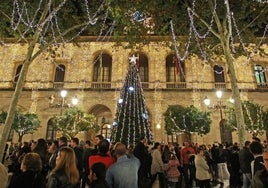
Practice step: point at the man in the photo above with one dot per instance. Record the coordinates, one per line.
(97, 140)
(123, 173)
(62, 142)
(245, 158)
(141, 152)
(186, 152)
(78, 154)
(260, 179)
(257, 150)
(86, 154)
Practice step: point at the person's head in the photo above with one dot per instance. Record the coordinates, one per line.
(256, 148)
(98, 171)
(66, 161)
(74, 142)
(53, 146)
(63, 141)
(87, 144)
(265, 158)
(98, 138)
(120, 149)
(3, 175)
(157, 145)
(247, 144)
(143, 139)
(172, 157)
(200, 151)
(31, 162)
(103, 146)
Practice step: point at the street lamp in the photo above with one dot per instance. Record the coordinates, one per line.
(62, 104)
(219, 105)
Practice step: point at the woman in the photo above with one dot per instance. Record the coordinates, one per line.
(157, 165)
(65, 174)
(202, 169)
(172, 171)
(31, 176)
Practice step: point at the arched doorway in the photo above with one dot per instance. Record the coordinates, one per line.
(104, 119)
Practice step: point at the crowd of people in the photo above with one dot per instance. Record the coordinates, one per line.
(77, 164)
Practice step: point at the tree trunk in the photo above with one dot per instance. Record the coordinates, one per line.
(225, 31)
(20, 84)
(20, 137)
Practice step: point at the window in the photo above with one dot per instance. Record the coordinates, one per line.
(259, 75)
(142, 64)
(17, 74)
(102, 71)
(219, 77)
(51, 133)
(175, 73)
(59, 76)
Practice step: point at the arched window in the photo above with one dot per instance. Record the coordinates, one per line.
(219, 77)
(59, 76)
(259, 75)
(102, 71)
(175, 74)
(51, 132)
(17, 74)
(142, 64)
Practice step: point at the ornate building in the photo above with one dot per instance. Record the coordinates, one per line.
(92, 72)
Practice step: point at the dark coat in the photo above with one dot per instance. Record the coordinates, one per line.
(59, 180)
(27, 179)
(245, 158)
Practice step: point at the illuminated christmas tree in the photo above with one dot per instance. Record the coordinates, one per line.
(132, 118)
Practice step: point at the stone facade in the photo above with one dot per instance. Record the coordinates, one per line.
(79, 62)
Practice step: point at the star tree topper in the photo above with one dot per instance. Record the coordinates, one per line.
(133, 59)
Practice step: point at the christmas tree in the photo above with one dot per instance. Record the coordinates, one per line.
(132, 118)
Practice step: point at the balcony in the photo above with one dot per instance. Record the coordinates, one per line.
(85, 84)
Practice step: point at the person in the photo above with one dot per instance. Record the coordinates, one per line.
(53, 152)
(3, 176)
(86, 154)
(97, 140)
(157, 167)
(260, 179)
(257, 163)
(172, 171)
(245, 158)
(65, 174)
(202, 169)
(78, 154)
(186, 152)
(62, 142)
(103, 155)
(41, 149)
(31, 176)
(141, 152)
(97, 177)
(123, 173)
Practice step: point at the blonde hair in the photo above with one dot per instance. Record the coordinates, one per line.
(67, 163)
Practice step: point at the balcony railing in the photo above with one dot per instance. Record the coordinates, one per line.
(145, 85)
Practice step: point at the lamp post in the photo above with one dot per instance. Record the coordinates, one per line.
(62, 104)
(219, 105)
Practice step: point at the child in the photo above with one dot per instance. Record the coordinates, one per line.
(97, 176)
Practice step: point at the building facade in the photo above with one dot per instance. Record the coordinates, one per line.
(94, 72)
